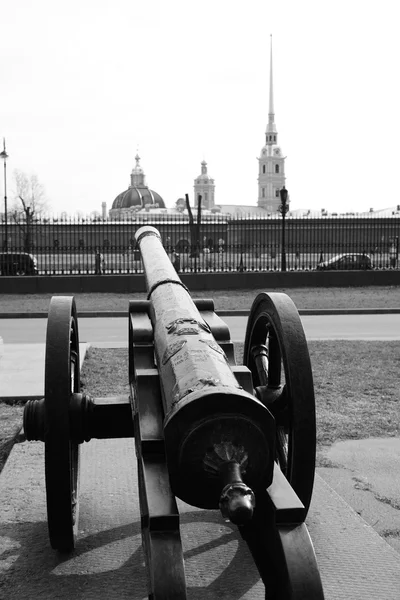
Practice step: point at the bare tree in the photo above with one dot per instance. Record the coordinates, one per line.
(30, 204)
(194, 227)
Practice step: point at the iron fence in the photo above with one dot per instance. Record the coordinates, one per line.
(223, 243)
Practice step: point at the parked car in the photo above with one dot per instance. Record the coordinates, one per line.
(347, 262)
(18, 263)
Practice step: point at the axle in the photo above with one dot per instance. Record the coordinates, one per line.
(101, 418)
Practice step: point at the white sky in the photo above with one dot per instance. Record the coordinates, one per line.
(84, 83)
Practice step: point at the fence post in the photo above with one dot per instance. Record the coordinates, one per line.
(283, 209)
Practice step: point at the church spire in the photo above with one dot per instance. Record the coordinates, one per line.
(271, 86)
(271, 170)
(271, 133)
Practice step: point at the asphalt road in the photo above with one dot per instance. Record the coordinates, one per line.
(107, 330)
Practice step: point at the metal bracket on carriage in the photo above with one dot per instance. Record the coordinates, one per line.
(269, 396)
(276, 400)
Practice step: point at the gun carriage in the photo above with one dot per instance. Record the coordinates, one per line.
(217, 435)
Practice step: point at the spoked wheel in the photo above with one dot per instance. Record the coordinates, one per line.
(276, 353)
(62, 378)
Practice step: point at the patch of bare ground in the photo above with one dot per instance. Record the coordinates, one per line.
(10, 427)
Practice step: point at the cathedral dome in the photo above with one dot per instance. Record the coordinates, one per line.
(138, 193)
(138, 196)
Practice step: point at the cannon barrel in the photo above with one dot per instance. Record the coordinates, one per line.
(219, 439)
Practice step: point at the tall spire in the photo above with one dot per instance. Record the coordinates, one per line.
(271, 134)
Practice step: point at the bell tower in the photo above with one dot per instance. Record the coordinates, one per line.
(205, 186)
(271, 164)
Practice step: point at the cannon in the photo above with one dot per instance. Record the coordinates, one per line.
(240, 439)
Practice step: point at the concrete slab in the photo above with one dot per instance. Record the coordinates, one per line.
(365, 474)
(108, 562)
(22, 370)
(376, 460)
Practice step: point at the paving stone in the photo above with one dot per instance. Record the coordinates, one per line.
(355, 562)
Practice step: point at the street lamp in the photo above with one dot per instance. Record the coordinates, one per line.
(283, 209)
(4, 156)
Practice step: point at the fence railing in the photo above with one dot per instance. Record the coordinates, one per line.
(80, 247)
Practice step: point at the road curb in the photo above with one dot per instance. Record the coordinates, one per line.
(23, 398)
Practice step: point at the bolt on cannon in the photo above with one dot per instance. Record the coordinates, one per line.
(217, 435)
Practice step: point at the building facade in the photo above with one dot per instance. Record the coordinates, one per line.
(271, 164)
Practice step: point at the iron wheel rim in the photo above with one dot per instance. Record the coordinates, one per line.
(62, 377)
(274, 322)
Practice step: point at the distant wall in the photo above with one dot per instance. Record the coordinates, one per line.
(198, 282)
(326, 234)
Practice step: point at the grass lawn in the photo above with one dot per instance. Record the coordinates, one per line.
(356, 386)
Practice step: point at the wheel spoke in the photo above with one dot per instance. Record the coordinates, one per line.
(260, 356)
(275, 361)
(282, 450)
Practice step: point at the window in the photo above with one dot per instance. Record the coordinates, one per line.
(274, 138)
(276, 168)
(277, 193)
(81, 243)
(263, 192)
(106, 243)
(56, 243)
(263, 168)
